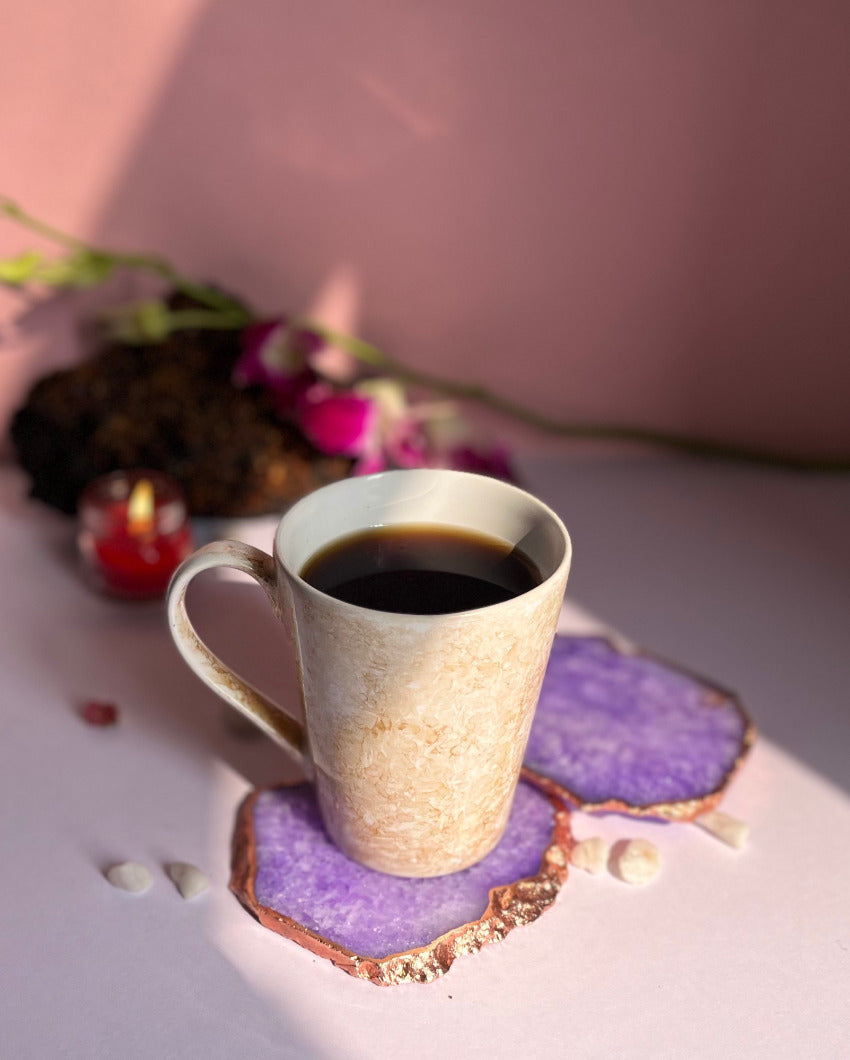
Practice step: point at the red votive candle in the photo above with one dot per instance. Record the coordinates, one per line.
(133, 532)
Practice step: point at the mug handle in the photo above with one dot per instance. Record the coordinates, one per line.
(248, 700)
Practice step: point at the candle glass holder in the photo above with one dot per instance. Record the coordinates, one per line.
(133, 531)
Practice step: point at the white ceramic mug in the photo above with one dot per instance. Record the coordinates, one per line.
(415, 725)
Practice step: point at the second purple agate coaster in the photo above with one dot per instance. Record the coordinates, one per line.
(630, 733)
(390, 929)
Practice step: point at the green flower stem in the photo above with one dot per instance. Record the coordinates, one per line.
(11, 210)
(225, 314)
(479, 394)
(151, 263)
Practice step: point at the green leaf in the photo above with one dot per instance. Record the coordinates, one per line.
(19, 270)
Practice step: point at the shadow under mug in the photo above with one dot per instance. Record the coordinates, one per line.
(415, 726)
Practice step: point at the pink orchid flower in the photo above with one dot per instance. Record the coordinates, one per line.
(376, 425)
(484, 460)
(399, 436)
(373, 422)
(338, 422)
(277, 356)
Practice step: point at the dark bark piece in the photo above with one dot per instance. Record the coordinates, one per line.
(172, 408)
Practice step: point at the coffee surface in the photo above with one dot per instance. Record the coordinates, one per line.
(421, 570)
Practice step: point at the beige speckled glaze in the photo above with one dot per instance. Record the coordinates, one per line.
(415, 725)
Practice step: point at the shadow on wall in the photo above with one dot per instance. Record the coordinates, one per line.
(620, 212)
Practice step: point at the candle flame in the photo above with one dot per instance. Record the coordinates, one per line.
(140, 509)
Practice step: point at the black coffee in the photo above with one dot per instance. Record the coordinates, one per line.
(421, 570)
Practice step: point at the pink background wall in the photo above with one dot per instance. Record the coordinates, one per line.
(632, 211)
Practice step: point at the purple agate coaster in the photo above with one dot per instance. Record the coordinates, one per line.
(627, 732)
(390, 929)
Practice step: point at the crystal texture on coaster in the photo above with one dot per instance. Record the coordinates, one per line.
(628, 732)
(391, 929)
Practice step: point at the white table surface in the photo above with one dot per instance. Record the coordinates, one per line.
(739, 574)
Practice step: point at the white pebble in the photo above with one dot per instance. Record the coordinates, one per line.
(590, 855)
(638, 861)
(189, 879)
(726, 828)
(130, 876)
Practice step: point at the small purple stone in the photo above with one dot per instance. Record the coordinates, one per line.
(627, 727)
(301, 874)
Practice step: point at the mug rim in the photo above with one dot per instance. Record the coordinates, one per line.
(562, 566)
